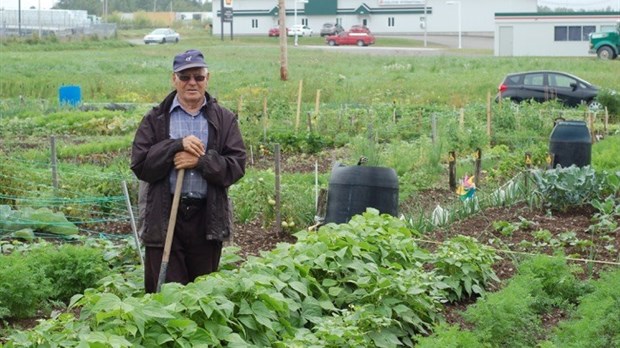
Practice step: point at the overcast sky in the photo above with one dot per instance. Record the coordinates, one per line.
(576, 4)
(581, 4)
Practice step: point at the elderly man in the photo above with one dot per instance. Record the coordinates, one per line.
(188, 130)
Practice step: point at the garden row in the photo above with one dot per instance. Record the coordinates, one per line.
(365, 283)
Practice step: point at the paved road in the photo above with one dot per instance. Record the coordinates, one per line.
(438, 46)
(441, 45)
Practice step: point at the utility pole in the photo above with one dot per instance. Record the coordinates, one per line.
(283, 41)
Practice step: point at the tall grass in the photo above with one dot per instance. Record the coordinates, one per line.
(248, 68)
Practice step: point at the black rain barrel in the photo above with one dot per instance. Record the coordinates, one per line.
(570, 142)
(353, 189)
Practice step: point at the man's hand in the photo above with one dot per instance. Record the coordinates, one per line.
(185, 160)
(193, 145)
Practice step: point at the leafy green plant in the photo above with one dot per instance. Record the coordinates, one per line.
(605, 218)
(363, 283)
(503, 317)
(25, 288)
(71, 268)
(466, 266)
(559, 285)
(449, 336)
(505, 228)
(572, 187)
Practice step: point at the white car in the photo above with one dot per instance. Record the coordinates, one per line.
(162, 35)
(300, 29)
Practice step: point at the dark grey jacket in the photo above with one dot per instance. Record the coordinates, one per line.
(152, 156)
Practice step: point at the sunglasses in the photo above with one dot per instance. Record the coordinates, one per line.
(197, 78)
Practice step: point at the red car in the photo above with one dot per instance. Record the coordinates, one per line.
(358, 28)
(275, 32)
(350, 38)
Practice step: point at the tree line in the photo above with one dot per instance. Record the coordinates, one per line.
(96, 7)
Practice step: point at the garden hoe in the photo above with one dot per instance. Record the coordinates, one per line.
(170, 233)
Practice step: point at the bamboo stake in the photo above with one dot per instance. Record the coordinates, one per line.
(461, 119)
(301, 84)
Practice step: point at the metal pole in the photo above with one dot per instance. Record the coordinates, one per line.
(19, 17)
(39, 18)
(460, 31)
(425, 23)
(222, 19)
(133, 222)
(295, 21)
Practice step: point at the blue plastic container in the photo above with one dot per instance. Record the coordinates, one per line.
(70, 95)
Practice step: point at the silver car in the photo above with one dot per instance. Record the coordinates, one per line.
(161, 36)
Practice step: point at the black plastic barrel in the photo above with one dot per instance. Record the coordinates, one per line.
(353, 189)
(571, 143)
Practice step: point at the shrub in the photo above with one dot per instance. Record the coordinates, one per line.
(611, 100)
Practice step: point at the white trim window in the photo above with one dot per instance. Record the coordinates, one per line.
(573, 32)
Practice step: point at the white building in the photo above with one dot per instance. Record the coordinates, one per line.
(549, 34)
(477, 17)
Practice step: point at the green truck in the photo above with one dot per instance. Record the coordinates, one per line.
(606, 44)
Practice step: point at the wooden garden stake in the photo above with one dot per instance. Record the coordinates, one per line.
(434, 128)
(550, 159)
(251, 155)
(394, 112)
(528, 166)
(489, 114)
(265, 119)
(591, 123)
(461, 119)
(317, 103)
(297, 115)
(54, 161)
(277, 189)
(478, 158)
(452, 170)
(309, 117)
(239, 105)
(606, 121)
(419, 120)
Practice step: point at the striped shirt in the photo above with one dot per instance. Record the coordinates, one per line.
(183, 124)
